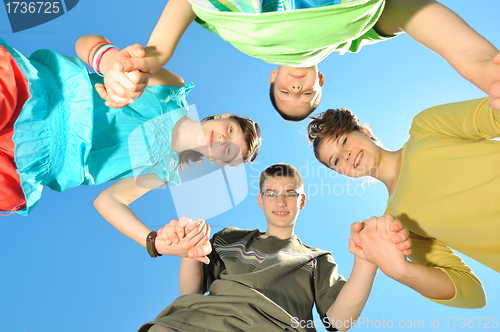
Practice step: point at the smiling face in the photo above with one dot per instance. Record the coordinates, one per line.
(296, 89)
(353, 154)
(224, 139)
(281, 213)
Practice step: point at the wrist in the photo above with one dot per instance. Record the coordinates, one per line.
(400, 271)
(155, 59)
(106, 60)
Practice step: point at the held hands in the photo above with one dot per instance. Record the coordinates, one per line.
(122, 85)
(381, 241)
(185, 238)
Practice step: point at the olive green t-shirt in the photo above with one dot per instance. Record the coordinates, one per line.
(258, 284)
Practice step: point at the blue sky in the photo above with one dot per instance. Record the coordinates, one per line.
(64, 268)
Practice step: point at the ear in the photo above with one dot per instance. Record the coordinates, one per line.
(274, 73)
(259, 200)
(217, 161)
(321, 79)
(303, 201)
(366, 131)
(224, 116)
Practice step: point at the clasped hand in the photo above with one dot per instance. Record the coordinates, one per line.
(122, 82)
(382, 241)
(185, 238)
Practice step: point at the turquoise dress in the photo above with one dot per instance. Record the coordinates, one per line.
(66, 136)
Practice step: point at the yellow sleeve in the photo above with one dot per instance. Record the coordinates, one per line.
(469, 292)
(468, 119)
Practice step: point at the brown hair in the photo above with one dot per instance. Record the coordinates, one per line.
(249, 134)
(330, 125)
(279, 170)
(290, 117)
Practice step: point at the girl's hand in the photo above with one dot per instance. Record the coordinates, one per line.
(121, 87)
(377, 247)
(400, 236)
(175, 230)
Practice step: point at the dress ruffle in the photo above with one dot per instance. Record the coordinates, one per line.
(52, 133)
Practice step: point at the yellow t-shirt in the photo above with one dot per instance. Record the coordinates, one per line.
(448, 193)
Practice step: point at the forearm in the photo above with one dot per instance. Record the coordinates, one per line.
(353, 296)
(175, 19)
(121, 217)
(191, 276)
(440, 29)
(430, 282)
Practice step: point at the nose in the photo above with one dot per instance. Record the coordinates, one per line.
(296, 87)
(347, 155)
(280, 201)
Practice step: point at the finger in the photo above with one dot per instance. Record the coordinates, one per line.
(371, 224)
(127, 65)
(404, 245)
(139, 78)
(201, 250)
(170, 231)
(356, 228)
(167, 232)
(400, 236)
(407, 252)
(101, 90)
(137, 50)
(355, 250)
(198, 223)
(203, 259)
(197, 237)
(494, 103)
(496, 59)
(395, 226)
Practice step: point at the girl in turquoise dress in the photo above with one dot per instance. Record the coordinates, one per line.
(56, 131)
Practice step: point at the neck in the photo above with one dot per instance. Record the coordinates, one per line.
(183, 138)
(388, 169)
(281, 233)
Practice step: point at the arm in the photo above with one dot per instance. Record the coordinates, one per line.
(133, 81)
(174, 21)
(434, 272)
(113, 205)
(353, 296)
(191, 277)
(440, 29)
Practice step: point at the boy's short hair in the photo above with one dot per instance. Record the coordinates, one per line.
(279, 170)
(295, 118)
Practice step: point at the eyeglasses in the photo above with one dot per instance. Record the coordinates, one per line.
(256, 149)
(288, 195)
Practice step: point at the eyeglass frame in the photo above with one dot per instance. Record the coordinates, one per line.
(256, 150)
(282, 195)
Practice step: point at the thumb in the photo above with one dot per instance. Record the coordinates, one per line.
(203, 259)
(497, 58)
(355, 250)
(131, 64)
(137, 50)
